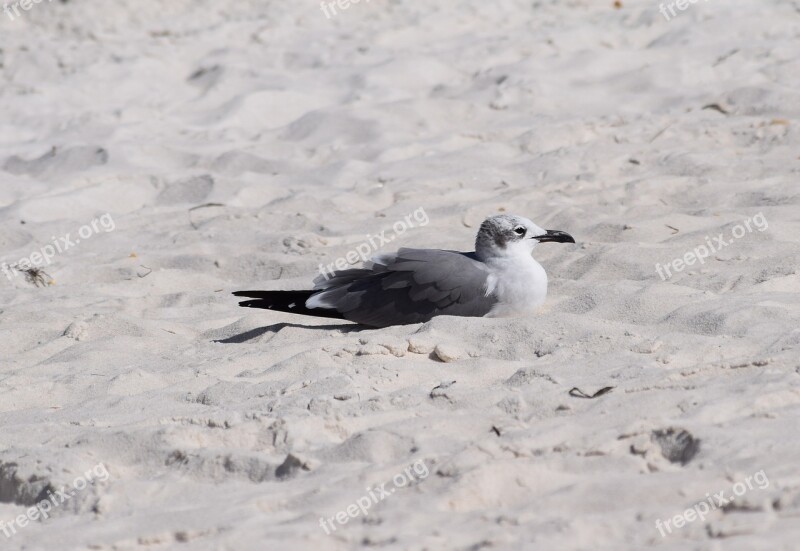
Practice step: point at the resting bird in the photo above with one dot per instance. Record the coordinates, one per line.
(499, 279)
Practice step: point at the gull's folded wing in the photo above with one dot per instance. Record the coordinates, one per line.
(409, 286)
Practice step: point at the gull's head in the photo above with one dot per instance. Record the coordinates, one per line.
(508, 235)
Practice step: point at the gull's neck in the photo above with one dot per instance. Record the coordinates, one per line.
(518, 282)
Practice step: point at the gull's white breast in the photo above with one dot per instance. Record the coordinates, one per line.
(519, 284)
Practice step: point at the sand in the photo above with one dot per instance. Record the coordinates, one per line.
(216, 146)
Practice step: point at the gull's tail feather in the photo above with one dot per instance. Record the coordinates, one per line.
(293, 302)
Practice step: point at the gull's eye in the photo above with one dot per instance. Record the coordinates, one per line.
(520, 230)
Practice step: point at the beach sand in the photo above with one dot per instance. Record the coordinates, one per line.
(220, 146)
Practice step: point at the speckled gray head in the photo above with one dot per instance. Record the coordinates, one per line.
(510, 235)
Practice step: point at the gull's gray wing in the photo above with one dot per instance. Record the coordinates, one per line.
(409, 286)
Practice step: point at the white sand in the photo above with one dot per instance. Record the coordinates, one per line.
(313, 132)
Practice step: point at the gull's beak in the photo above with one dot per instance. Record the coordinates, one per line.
(555, 236)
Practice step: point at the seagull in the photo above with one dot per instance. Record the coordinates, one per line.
(499, 279)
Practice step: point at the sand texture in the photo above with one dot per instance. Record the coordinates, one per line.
(219, 146)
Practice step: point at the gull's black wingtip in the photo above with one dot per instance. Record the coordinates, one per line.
(262, 294)
(292, 302)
